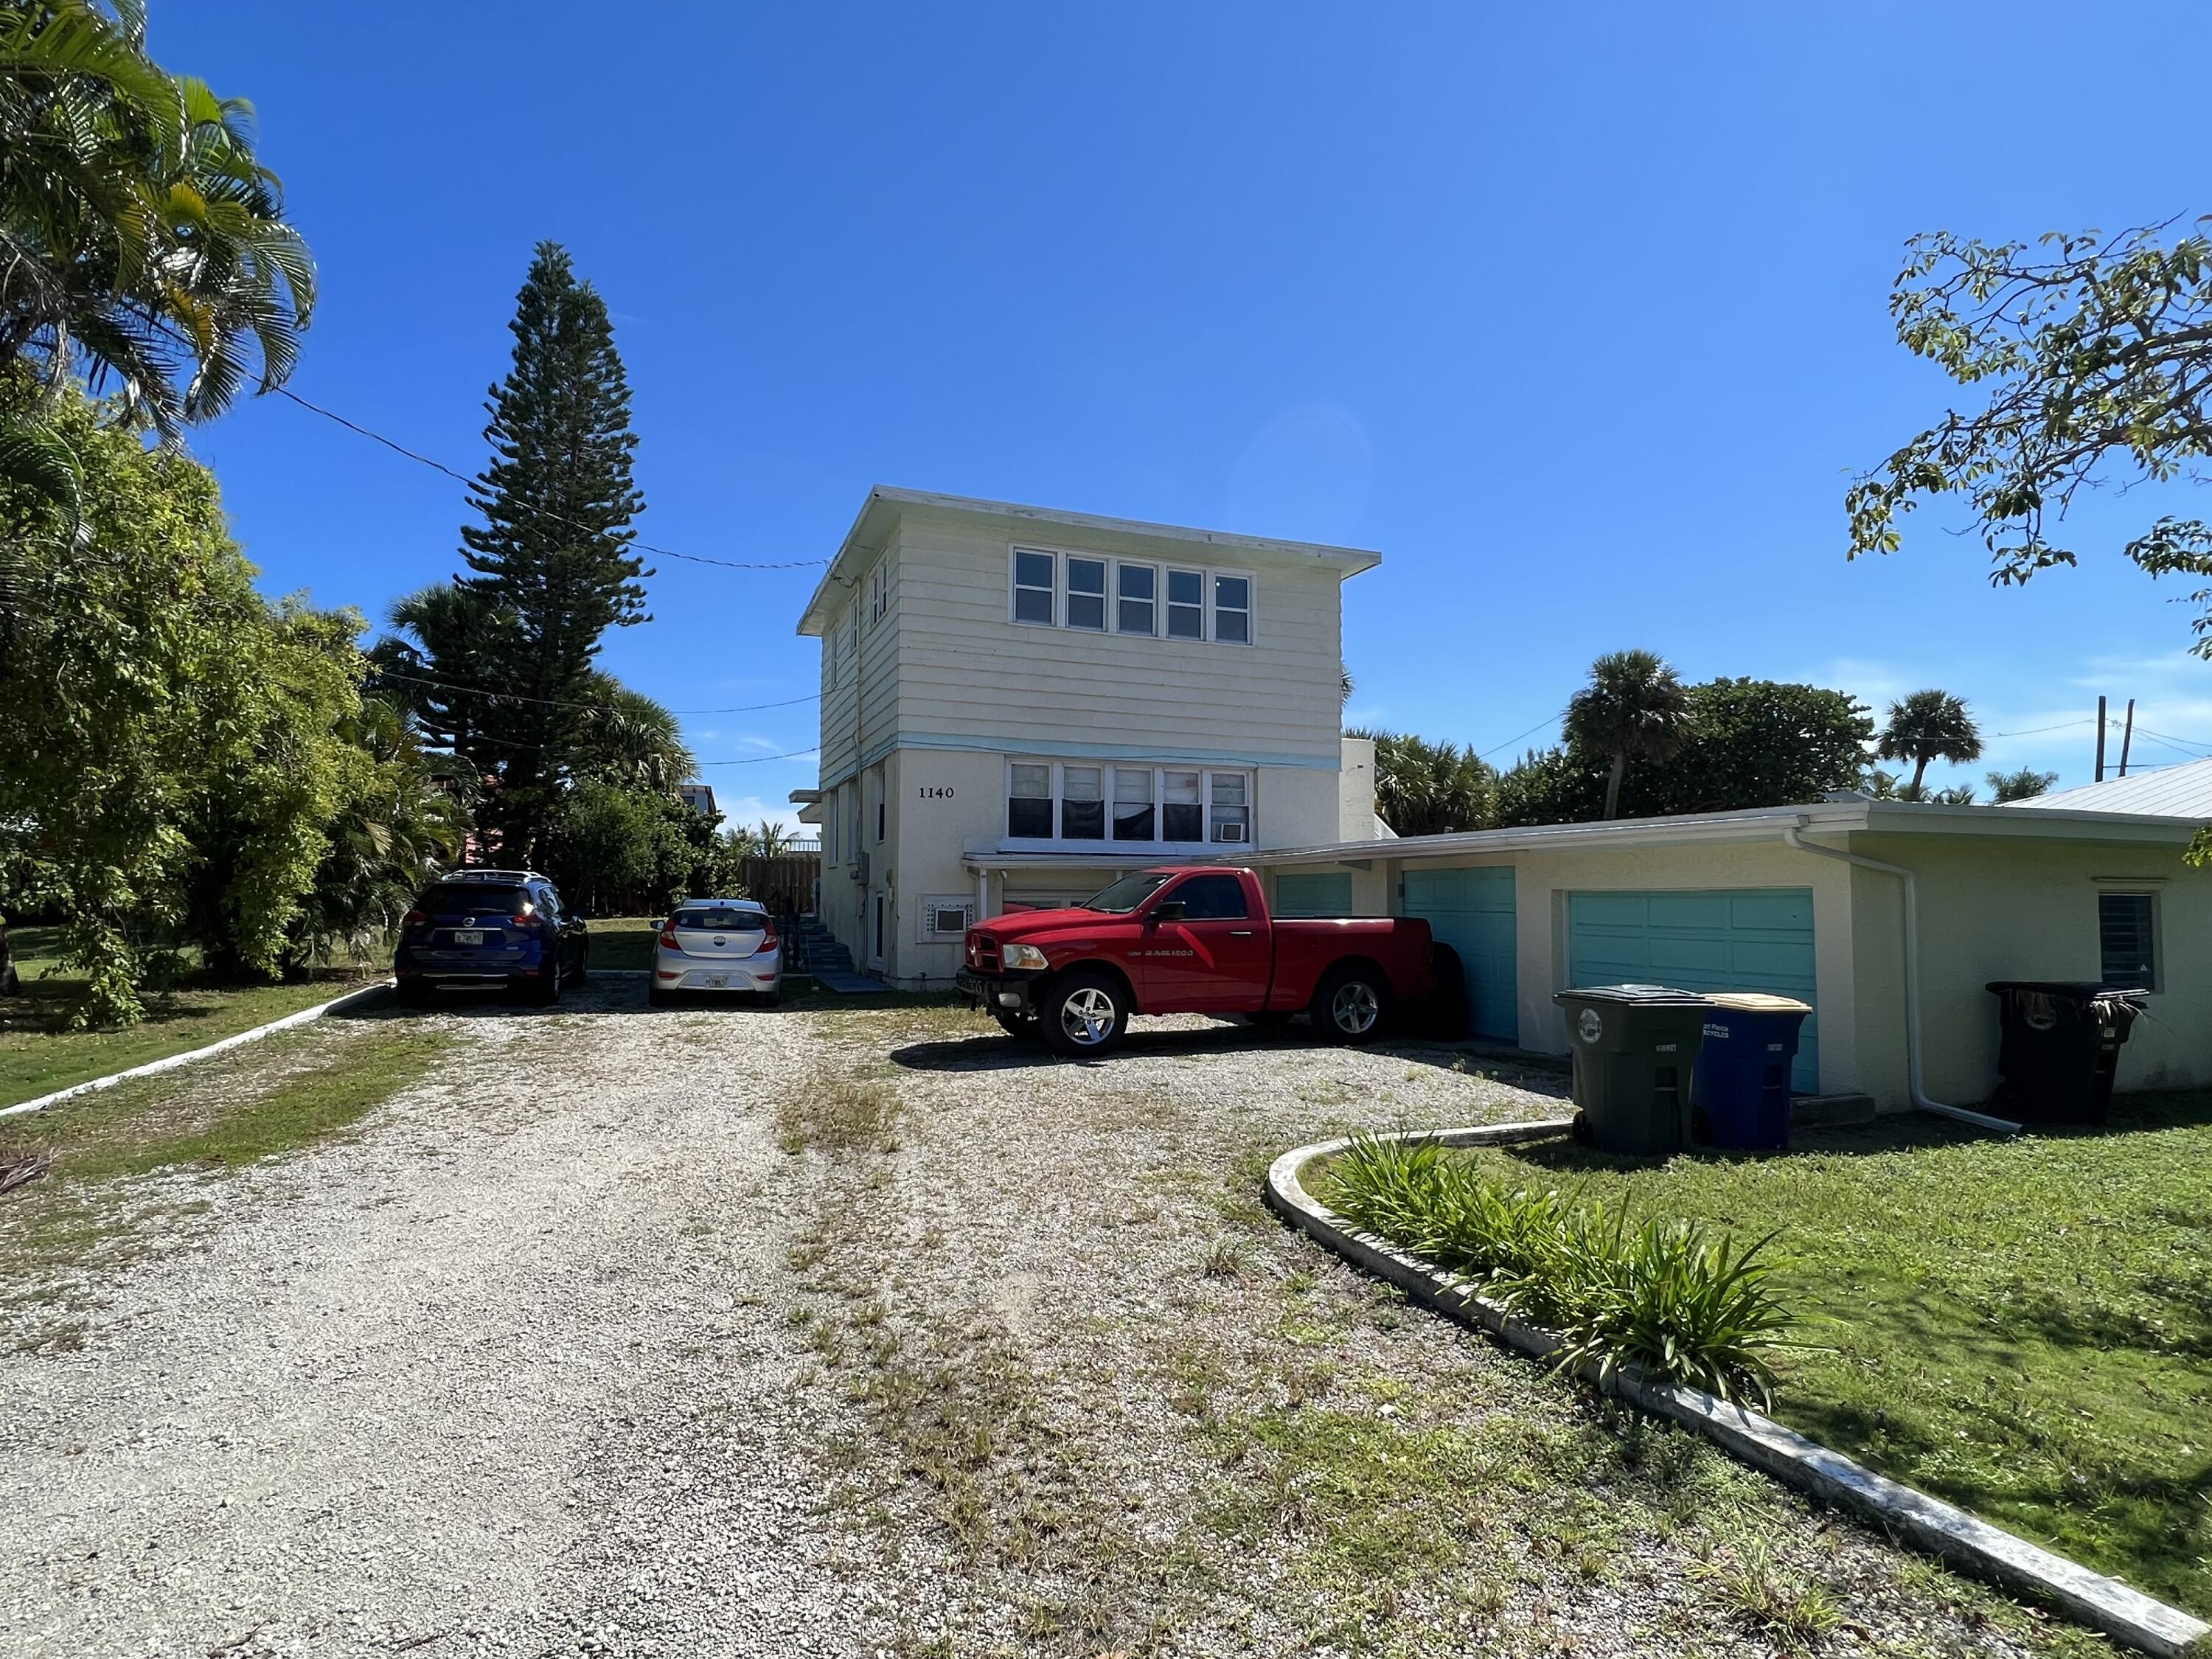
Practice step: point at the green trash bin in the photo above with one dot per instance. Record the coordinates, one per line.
(1635, 1047)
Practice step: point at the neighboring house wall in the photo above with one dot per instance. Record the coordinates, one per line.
(1992, 909)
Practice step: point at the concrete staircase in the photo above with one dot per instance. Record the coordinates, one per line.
(830, 963)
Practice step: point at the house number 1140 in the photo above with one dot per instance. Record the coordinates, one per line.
(933, 792)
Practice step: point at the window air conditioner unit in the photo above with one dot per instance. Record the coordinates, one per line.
(1229, 832)
(860, 868)
(943, 919)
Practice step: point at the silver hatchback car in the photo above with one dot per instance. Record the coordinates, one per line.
(718, 944)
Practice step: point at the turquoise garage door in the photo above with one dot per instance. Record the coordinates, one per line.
(1328, 894)
(1472, 911)
(1753, 940)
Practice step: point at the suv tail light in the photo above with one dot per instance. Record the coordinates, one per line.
(526, 918)
(413, 920)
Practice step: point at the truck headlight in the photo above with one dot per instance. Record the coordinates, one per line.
(1023, 955)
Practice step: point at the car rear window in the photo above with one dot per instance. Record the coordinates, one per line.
(475, 898)
(720, 918)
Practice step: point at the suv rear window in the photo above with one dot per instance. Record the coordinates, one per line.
(477, 898)
(720, 919)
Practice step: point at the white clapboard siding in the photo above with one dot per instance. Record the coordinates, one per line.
(966, 671)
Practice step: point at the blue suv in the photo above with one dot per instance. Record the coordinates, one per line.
(476, 929)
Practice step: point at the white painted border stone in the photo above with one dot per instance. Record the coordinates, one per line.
(170, 1062)
(1967, 1541)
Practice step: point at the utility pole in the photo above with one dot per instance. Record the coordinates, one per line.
(2101, 739)
(2127, 736)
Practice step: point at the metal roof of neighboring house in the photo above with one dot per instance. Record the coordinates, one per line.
(2171, 792)
(883, 505)
(1853, 812)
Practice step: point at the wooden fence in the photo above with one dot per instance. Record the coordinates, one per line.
(786, 885)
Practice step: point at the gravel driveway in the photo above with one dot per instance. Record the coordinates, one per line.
(860, 1331)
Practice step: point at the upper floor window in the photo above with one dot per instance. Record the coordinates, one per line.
(1086, 593)
(1036, 576)
(1086, 801)
(1130, 596)
(879, 590)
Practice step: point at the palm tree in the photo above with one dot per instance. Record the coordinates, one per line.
(2024, 785)
(1424, 789)
(1634, 708)
(1929, 725)
(141, 240)
(634, 742)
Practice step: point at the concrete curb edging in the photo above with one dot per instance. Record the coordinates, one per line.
(170, 1062)
(1965, 1541)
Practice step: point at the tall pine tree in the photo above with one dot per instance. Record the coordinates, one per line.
(552, 557)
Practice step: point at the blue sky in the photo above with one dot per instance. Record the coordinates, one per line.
(1577, 314)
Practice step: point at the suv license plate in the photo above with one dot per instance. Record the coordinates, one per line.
(468, 936)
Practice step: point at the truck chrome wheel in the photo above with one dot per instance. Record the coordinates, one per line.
(1355, 1007)
(1089, 1016)
(1086, 1015)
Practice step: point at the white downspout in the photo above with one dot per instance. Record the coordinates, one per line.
(1790, 833)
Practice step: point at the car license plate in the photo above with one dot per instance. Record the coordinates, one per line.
(718, 981)
(468, 936)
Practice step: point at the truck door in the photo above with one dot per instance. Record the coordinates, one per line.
(1217, 958)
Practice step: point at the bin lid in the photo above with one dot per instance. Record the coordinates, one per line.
(1662, 996)
(2080, 990)
(1757, 1002)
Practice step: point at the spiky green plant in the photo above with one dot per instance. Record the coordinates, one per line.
(1661, 1295)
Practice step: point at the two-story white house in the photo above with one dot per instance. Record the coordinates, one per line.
(1019, 704)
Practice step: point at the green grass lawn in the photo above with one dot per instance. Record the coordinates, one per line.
(38, 1056)
(2023, 1326)
(623, 941)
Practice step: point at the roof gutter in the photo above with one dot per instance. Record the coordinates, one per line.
(1792, 834)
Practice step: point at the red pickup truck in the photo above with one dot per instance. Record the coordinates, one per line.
(1189, 939)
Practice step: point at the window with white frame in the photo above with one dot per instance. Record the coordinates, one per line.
(1132, 804)
(1186, 605)
(1088, 802)
(1097, 595)
(879, 590)
(1138, 586)
(1232, 609)
(1086, 593)
(1036, 576)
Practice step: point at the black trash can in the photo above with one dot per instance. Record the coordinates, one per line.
(2059, 1045)
(1634, 1048)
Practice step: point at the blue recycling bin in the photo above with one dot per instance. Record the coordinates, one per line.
(1742, 1081)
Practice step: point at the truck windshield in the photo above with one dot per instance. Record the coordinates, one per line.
(1126, 894)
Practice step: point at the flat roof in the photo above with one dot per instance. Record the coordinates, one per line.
(885, 504)
(1821, 817)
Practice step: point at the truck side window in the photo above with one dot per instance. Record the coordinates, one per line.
(1211, 898)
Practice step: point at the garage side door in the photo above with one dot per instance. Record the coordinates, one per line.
(1753, 940)
(1472, 911)
(1322, 894)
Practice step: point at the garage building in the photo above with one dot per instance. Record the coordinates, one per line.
(1812, 902)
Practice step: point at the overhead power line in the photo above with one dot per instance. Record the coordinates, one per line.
(419, 460)
(570, 702)
(1516, 737)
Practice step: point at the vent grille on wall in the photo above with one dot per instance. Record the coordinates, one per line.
(947, 918)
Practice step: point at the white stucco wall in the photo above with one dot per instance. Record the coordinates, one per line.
(1994, 908)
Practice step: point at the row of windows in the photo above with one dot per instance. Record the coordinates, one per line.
(1124, 596)
(1082, 801)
